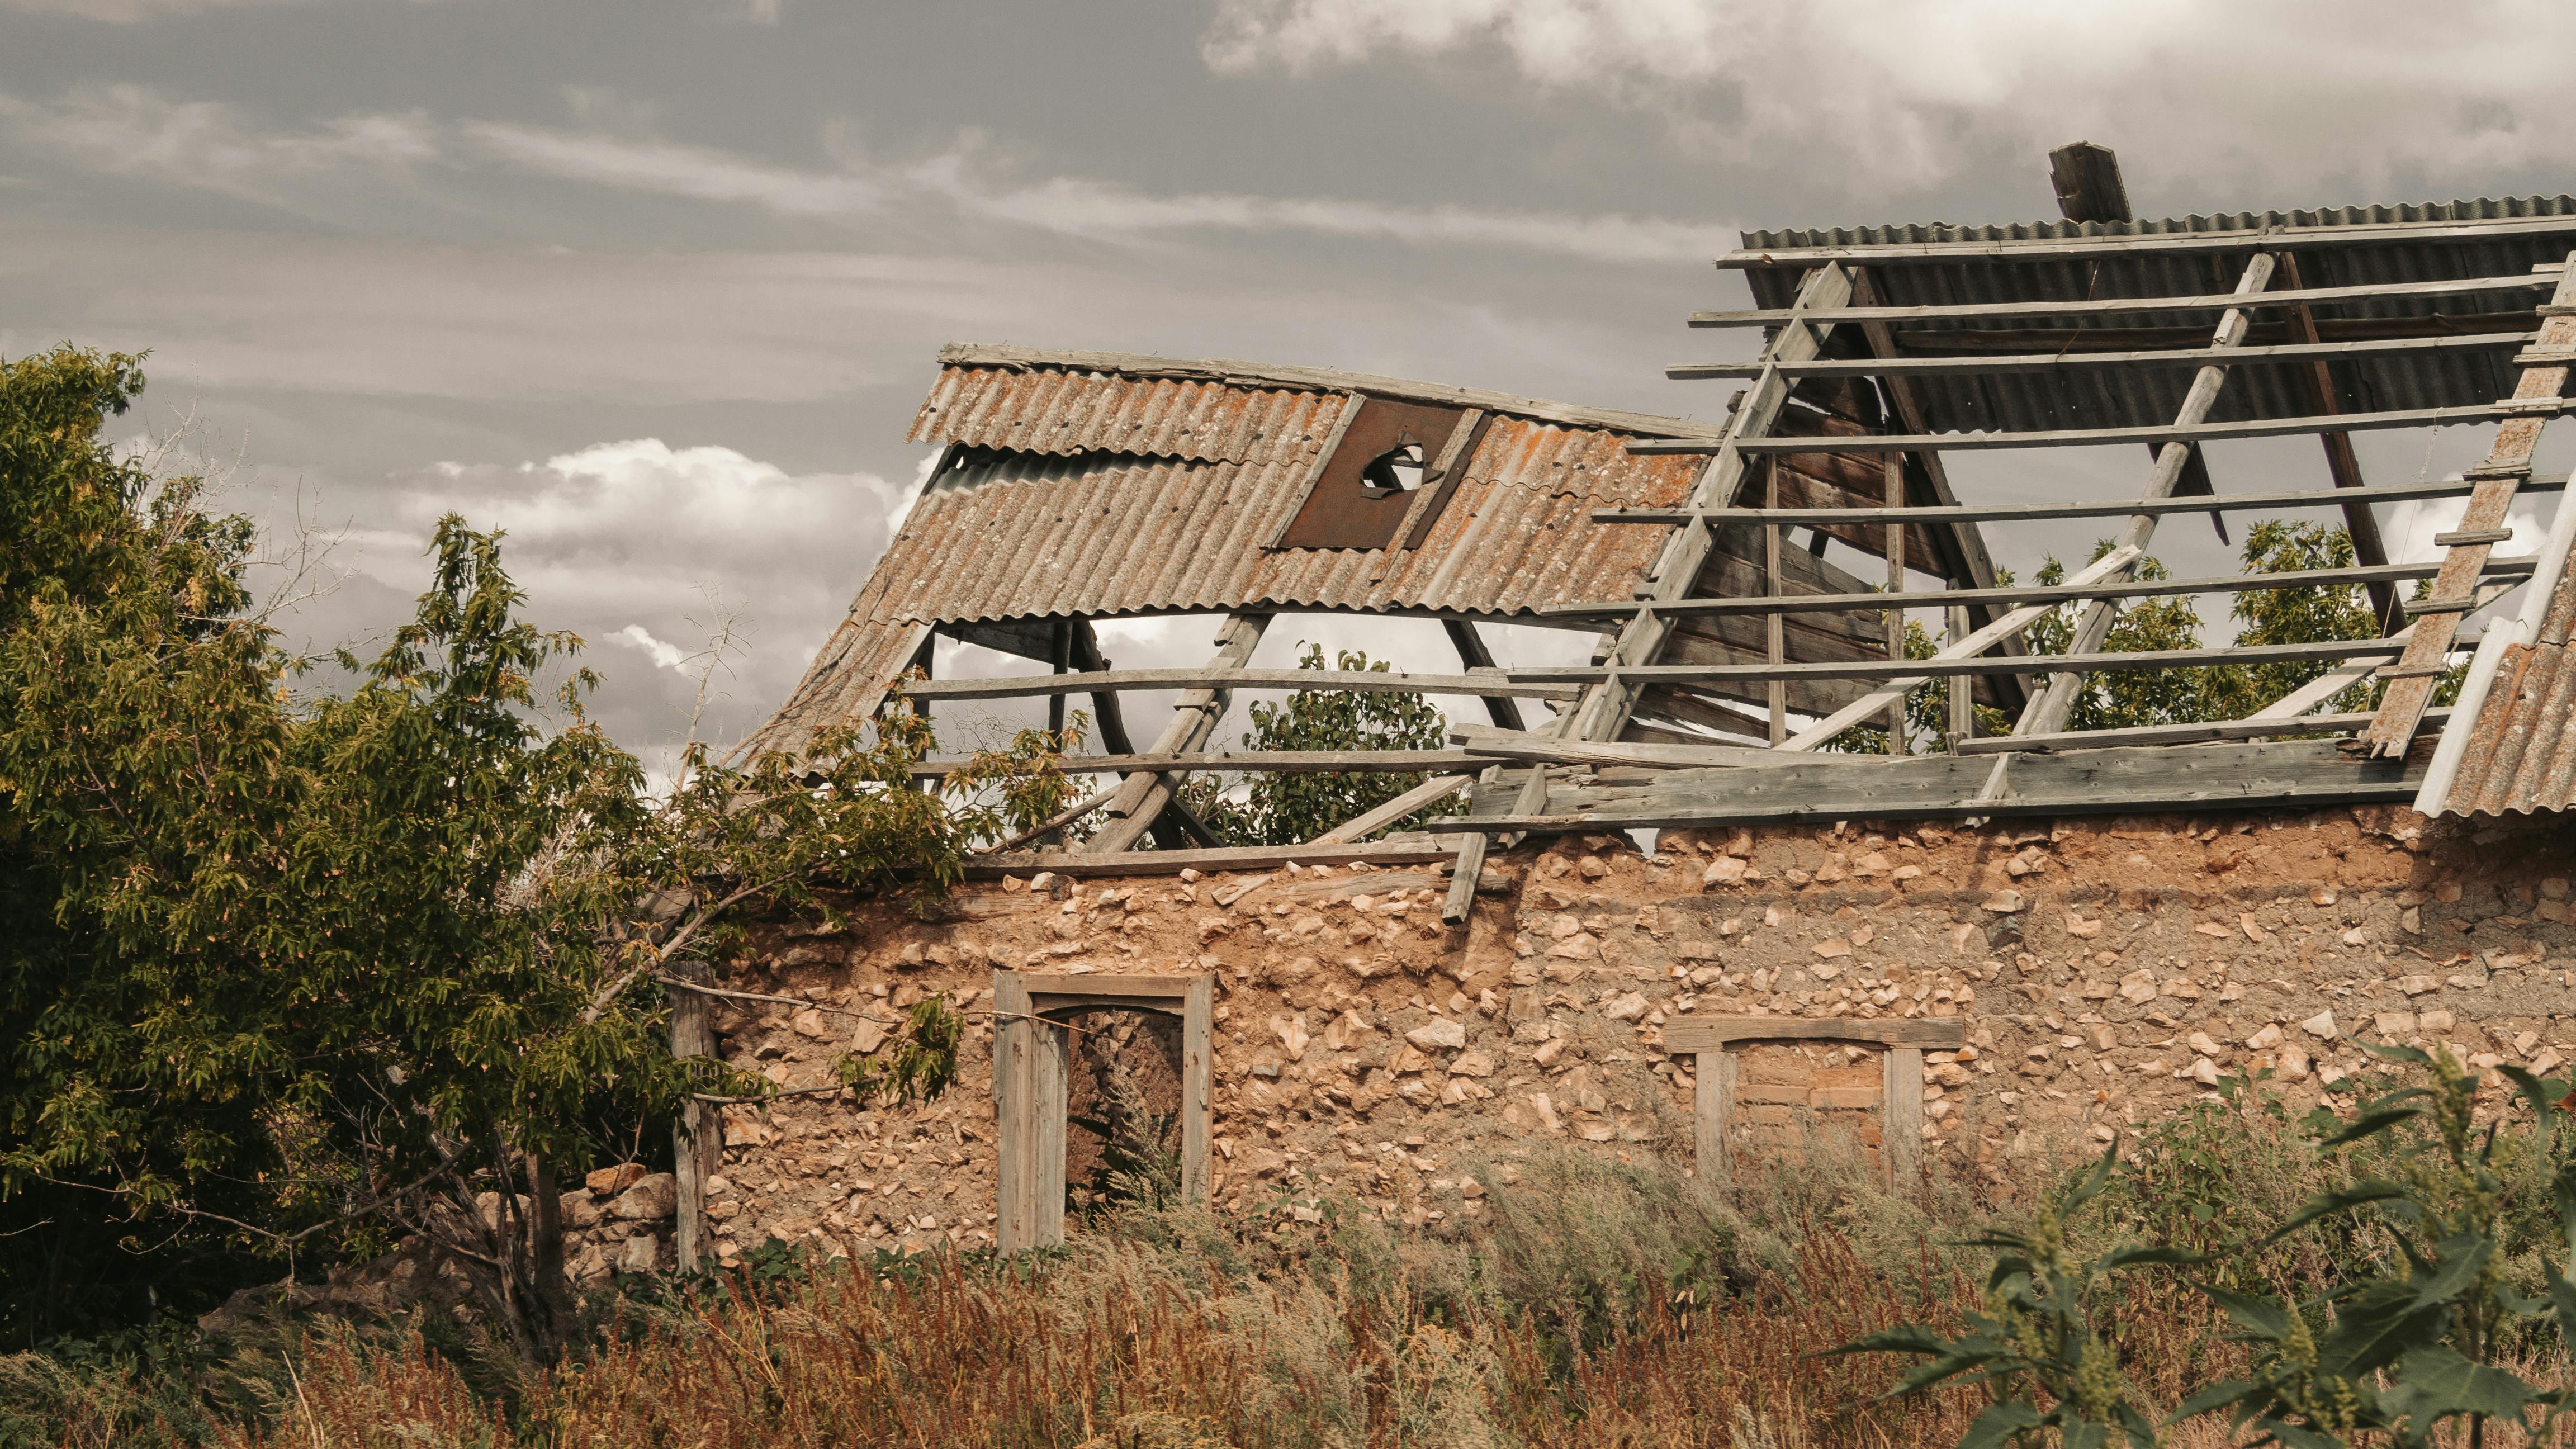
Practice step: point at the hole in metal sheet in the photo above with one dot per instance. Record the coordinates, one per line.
(1397, 470)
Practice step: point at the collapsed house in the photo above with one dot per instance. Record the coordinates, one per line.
(1963, 946)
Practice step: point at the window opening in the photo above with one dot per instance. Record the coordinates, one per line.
(1397, 470)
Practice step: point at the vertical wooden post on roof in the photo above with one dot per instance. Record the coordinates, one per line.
(1900, 1129)
(1893, 538)
(697, 1137)
(2087, 180)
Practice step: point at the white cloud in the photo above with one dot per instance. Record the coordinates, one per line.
(127, 12)
(664, 656)
(1904, 95)
(135, 131)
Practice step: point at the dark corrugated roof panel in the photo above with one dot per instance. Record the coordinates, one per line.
(2140, 397)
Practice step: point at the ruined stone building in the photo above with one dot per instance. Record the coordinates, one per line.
(1655, 914)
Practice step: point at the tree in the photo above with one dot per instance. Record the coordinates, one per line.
(281, 980)
(1283, 809)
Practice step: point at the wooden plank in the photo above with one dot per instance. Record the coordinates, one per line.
(1050, 1097)
(1198, 1080)
(2049, 712)
(1716, 1033)
(2027, 512)
(1712, 1112)
(2410, 691)
(1015, 1224)
(1437, 788)
(1889, 367)
(696, 1138)
(1500, 744)
(2186, 243)
(2175, 734)
(1982, 442)
(2011, 625)
(1917, 670)
(1242, 857)
(1900, 1131)
(1142, 796)
(1041, 984)
(2087, 782)
(2058, 593)
(1281, 762)
(2125, 306)
(1222, 677)
(2086, 178)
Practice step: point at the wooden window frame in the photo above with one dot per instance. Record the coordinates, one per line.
(1712, 1042)
(1031, 1080)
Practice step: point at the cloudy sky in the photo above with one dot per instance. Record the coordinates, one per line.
(656, 284)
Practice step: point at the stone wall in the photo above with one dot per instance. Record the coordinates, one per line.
(2109, 970)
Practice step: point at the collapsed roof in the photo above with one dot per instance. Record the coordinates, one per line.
(1736, 654)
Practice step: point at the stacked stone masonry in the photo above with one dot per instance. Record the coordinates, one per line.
(2107, 970)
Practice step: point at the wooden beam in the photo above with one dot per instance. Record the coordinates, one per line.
(1500, 708)
(1910, 672)
(1501, 745)
(2178, 243)
(2468, 415)
(1141, 796)
(2026, 512)
(2058, 593)
(1424, 850)
(2175, 734)
(2050, 711)
(2011, 625)
(1900, 1107)
(1217, 676)
(1715, 1033)
(1891, 367)
(2508, 462)
(2271, 775)
(1290, 762)
(2126, 306)
(1360, 827)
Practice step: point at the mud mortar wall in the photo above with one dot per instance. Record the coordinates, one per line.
(2108, 970)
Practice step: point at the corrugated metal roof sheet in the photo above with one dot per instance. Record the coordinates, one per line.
(2145, 397)
(1077, 518)
(2520, 750)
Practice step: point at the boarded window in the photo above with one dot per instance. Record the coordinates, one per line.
(1367, 487)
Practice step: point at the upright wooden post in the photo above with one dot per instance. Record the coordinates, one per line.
(695, 1140)
(1713, 1115)
(1198, 1072)
(1901, 1127)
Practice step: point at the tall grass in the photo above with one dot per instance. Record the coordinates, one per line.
(1592, 1303)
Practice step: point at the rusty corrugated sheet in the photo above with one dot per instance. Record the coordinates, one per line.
(1171, 505)
(1069, 412)
(2143, 397)
(2521, 754)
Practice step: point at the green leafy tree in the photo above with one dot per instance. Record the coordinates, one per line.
(279, 981)
(1281, 808)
